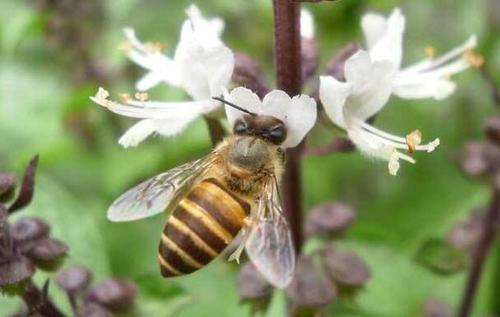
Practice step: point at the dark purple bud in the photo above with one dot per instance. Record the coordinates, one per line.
(14, 274)
(492, 129)
(73, 279)
(7, 186)
(466, 234)
(27, 186)
(310, 58)
(114, 294)
(473, 161)
(48, 254)
(248, 73)
(29, 229)
(346, 267)
(437, 308)
(89, 309)
(330, 218)
(251, 284)
(310, 286)
(335, 67)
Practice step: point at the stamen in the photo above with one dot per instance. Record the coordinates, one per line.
(141, 96)
(413, 139)
(430, 52)
(154, 47)
(125, 97)
(394, 163)
(101, 98)
(474, 59)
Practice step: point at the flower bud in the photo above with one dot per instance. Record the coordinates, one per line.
(346, 267)
(492, 130)
(14, 274)
(473, 161)
(437, 308)
(329, 218)
(466, 234)
(7, 186)
(248, 73)
(335, 67)
(251, 284)
(89, 309)
(73, 279)
(310, 57)
(48, 254)
(310, 286)
(29, 229)
(114, 294)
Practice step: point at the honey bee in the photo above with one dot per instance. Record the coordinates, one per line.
(233, 191)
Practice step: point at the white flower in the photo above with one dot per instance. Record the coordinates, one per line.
(297, 113)
(202, 65)
(350, 104)
(429, 78)
(307, 29)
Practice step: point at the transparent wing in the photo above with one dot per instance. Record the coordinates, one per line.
(158, 194)
(269, 245)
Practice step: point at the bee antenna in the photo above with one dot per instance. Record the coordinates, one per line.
(224, 101)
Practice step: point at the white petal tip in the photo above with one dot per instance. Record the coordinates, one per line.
(307, 29)
(433, 145)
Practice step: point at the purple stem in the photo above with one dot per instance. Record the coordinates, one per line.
(490, 225)
(287, 58)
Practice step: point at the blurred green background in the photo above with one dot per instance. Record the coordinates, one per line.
(44, 108)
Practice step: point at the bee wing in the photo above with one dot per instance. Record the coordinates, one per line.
(159, 193)
(269, 244)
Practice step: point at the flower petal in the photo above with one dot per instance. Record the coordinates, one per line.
(333, 95)
(306, 24)
(276, 104)
(137, 133)
(161, 67)
(390, 45)
(374, 26)
(422, 87)
(300, 118)
(371, 85)
(244, 98)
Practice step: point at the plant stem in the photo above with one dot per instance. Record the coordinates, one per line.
(490, 225)
(215, 129)
(38, 302)
(287, 59)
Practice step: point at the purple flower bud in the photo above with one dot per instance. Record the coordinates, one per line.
(466, 234)
(29, 229)
(48, 254)
(346, 267)
(73, 279)
(89, 309)
(437, 308)
(248, 73)
(7, 186)
(310, 286)
(251, 284)
(335, 67)
(310, 58)
(114, 294)
(27, 186)
(329, 218)
(492, 130)
(473, 161)
(14, 273)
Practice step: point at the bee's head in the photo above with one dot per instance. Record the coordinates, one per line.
(266, 127)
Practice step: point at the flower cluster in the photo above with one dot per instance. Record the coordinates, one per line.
(26, 245)
(203, 66)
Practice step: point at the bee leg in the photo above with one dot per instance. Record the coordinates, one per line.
(245, 233)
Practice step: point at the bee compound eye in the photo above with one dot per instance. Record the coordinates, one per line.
(276, 134)
(240, 127)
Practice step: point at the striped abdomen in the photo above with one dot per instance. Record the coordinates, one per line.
(201, 226)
